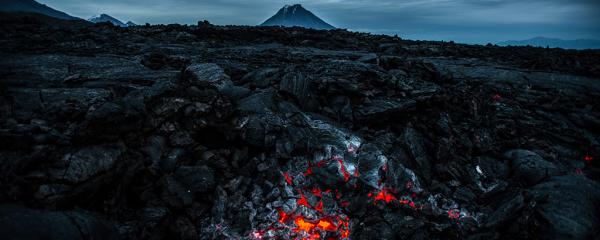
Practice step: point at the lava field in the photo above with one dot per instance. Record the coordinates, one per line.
(232, 132)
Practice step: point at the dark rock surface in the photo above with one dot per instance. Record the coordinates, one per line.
(22, 223)
(208, 132)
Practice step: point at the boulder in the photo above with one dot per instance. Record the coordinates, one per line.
(207, 75)
(569, 207)
(529, 166)
(83, 164)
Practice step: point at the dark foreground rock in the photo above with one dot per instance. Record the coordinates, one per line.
(23, 223)
(208, 132)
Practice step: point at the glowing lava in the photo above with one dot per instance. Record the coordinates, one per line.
(287, 177)
(302, 201)
(303, 225)
(322, 223)
(384, 195)
(387, 196)
(314, 229)
(283, 216)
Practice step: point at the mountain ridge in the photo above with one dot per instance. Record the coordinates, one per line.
(554, 42)
(32, 6)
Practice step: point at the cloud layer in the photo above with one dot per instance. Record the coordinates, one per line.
(470, 21)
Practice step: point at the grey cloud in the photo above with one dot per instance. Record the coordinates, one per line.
(471, 21)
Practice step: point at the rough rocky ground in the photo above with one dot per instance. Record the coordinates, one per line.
(208, 132)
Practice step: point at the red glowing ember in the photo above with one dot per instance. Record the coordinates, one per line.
(588, 158)
(319, 207)
(383, 195)
(345, 173)
(317, 192)
(308, 171)
(303, 202)
(293, 224)
(283, 216)
(287, 177)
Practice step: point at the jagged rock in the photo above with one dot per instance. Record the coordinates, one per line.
(110, 120)
(297, 85)
(568, 206)
(415, 146)
(508, 209)
(176, 194)
(369, 58)
(81, 165)
(261, 78)
(196, 179)
(181, 138)
(159, 60)
(530, 167)
(376, 230)
(208, 75)
(382, 109)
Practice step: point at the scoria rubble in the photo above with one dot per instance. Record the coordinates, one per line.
(230, 132)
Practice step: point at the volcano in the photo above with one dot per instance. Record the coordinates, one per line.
(107, 18)
(297, 16)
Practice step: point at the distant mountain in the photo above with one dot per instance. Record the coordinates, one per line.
(296, 15)
(555, 42)
(130, 24)
(31, 6)
(107, 18)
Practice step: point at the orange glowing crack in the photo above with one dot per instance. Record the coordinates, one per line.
(384, 195)
(303, 225)
(303, 202)
(327, 225)
(323, 224)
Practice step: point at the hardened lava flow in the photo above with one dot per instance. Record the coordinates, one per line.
(209, 132)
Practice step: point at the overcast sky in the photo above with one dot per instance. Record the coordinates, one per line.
(469, 21)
